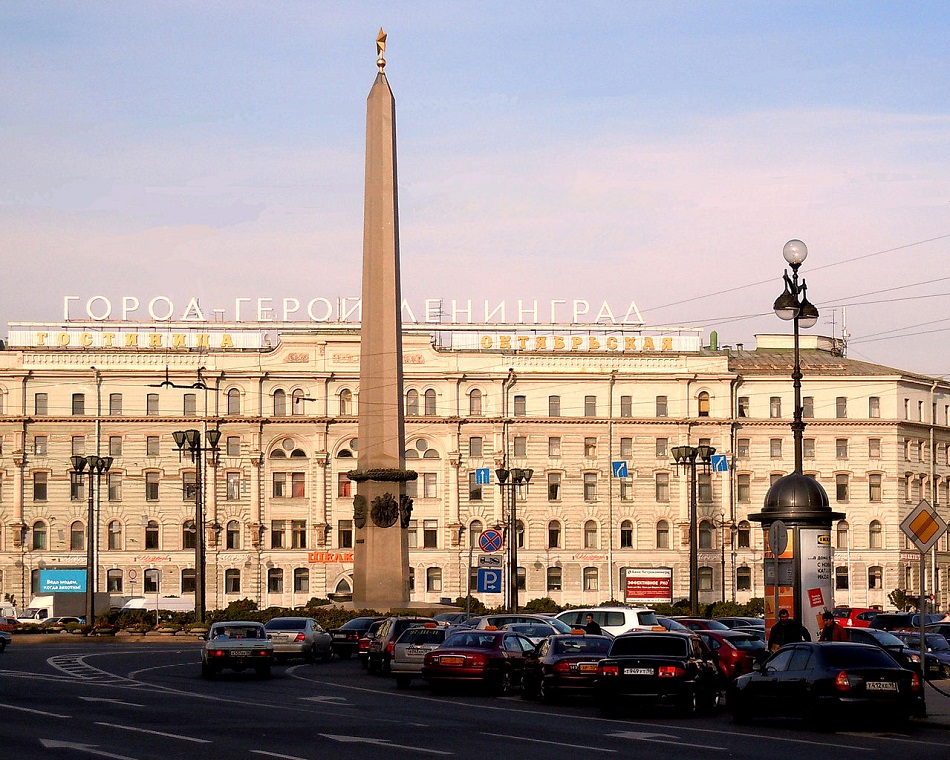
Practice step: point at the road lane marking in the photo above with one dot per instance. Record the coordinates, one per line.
(381, 743)
(111, 701)
(277, 754)
(90, 748)
(154, 733)
(648, 737)
(545, 741)
(35, 712)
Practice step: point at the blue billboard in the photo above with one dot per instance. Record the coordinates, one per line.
(60, 581)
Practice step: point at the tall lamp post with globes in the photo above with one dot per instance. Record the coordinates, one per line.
(513, 479)
(190, 440)
(688, 457)
(95, 466)
(797, 516)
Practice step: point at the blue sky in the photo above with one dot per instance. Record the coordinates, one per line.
(612, 151)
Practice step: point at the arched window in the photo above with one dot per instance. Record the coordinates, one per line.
(744, 535)
(474, 531)
(151, 535)
(278, 454)
(626, 534)
(77, 536)
(590, 534)
(412, 403)
(297, 404)
(114, 532)
(521, 534)
(475, 402)
(346, 401)
(114, 581)
(233, 537)
(705, 535)
(842, 535)
(280, 403)
(703, 404)
(429, 401)
(433, 579)
(875, 577)
(554, 535)
(39, 535)
(343, 587)
(662, 535)
(234, 401)
(189, 536)
(875, 535)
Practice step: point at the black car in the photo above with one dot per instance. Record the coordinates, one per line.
(893, 621)
(829, 680)
(563, 664)
(344, 641)
(658, 667)
(895, 647)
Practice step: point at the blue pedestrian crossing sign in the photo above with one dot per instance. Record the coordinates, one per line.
(720, 463)
(489, 580)
(620, 469)
(483, 476)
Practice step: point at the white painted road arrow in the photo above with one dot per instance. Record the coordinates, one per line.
(381, 743)
(90, 748)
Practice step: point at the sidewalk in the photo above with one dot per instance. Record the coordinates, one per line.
(938, 705)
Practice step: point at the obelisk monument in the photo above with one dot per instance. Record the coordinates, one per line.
(381, 508)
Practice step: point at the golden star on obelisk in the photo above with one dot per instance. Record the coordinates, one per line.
(380, 49)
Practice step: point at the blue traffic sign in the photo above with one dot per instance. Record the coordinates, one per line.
(483, 476)
(490, 540)
(620, 469)
(720, 463)
(489, 580)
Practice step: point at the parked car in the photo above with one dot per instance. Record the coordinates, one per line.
(346, 638)
(942, 628)
(759, 633)
(854, 617)
(741, 622)
(362, 649)
(938, 652)
(657, 667)
(8, 623)
(613, 620)
(896, 621)
(563, 664)
(238, 645)
(736, 652)
(701, 624)
(380, 651)
(299, 637)
(536, 632)
(60, 623)
(492, 659)
(410, 651)
(5, 639)
(500, 620)
(905, 656)
(824, 681)
(452, 618)
(669, 624)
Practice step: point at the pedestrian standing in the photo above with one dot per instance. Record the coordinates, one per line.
(592, 627)
(830, 630)
(786, 631)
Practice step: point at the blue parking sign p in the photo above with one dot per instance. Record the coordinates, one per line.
(489, 580)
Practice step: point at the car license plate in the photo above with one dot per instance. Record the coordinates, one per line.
(239, 653)
(587, 667)
(638, 671)
(448, 660)
(416, 651)
(881, 686)
(339, 635)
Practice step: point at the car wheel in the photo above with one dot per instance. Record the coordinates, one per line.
(311, 656)
(3, 644)
(403, 682)
(689, 704)
(384, 668)
(504, 684)
(327, 656)
(545, 692)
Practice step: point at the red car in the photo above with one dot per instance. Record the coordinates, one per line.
(736, 652)
(362, 646)
(854, 617)
(701, 624)
(493, 659)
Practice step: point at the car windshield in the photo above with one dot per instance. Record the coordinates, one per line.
(238, 632)
(844, 656)
(935, 642)
(746, 643)
(422, 636)
(531, 629)
(286, 624)
(885, 639)
(638, 644)
(359, 623)
(579, 645)
(471, 640)
(559, 625)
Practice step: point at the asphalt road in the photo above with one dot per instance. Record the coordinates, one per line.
(142, 700)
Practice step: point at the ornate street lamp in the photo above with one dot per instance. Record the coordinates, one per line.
(96, 466)
(191, 440)
(686, 457)
(517, 477)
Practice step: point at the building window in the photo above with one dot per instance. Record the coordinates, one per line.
(474, 487)
(841, 579)
(232, 535)
(554, 486)
(743, 406)
(744, 535)
(875, 535)
(874, 448)
(151, 535)
(280, 403)
(433, 579)
(842, 533)
(298, 534)
(554, 447)
(428, 402)
(190, 405)
(554, 406)
(412, 403)
(77, 536)
(841, 448)
(79, 403)
(234, 401)
(115, 404)
(554, 535)
(297, 402)
(662, 535)
(590, 579)
(115, 446)
(344, 485)
(412, 533)
(743, 578)
(39, 535)
(626, 406)
(345, 398)
(626, 489)
(151, 486)
(114, 581)
(152, 447)
(626, 535)
(705, 579)
(344, 534)
(841, 487)
(705, 534)
(663, 486)
(188, 583)
(744, 488)
(590, 448)
(554, 579)
(874, 487)
(662, 448)
(189, 486)
(520, 446)
(277, 534)
(40, 404)
(874, 407)
(590, 534)
(77, 486)
(475, 447)
(775, 406)
(704, 487)
(475, 403)
(275, 580)
(590, 486)
(590, 406)
(775, 448)
(841, 407)
(875, 577)
(234, 486)
(661, 406)
(808, 448)
(626, 448)
(430, 534)
(189, 535)
(702, 404)
(232, 581)
(114, 480)
(430, 485)
(520, 406)
(808, 407)
(279, 481)
(151, 404)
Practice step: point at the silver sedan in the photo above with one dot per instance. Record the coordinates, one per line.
(298, 637)
(410, 650)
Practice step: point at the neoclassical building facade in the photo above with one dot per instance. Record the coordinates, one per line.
(565, 402)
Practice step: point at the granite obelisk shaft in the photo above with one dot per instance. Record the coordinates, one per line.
(381, 566)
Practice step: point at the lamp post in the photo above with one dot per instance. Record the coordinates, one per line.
(797, 515)
(686, 457)
(96, 466)
(518, 477)
(723, 524)
(191, 439)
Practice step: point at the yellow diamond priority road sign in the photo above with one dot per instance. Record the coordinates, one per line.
(924, 526)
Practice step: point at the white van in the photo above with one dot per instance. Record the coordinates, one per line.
(613, 620)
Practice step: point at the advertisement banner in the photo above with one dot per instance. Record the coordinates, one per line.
(62, 581)
(817, 594)
(648, 585)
